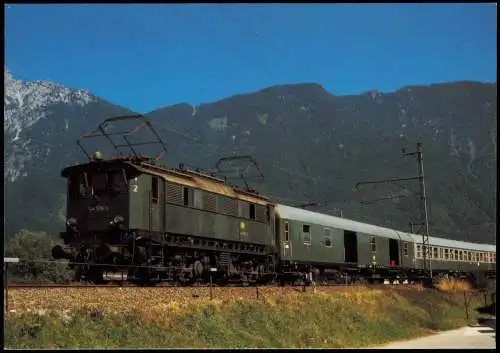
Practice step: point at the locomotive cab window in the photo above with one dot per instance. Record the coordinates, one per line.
(117, 180)
(287, 231)
(77, 186)
(98, 182)
(328, 238)
(306, 234)
(154, 189)
(373, 244)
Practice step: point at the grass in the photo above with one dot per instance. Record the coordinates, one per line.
(355, 318)
(453, 285)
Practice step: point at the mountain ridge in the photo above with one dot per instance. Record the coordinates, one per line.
(311, 144)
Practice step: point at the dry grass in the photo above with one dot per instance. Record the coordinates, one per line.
(453, 285)
(171, 317)
(123, 299)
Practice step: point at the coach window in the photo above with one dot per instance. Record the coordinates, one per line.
(252, 212)
(306, 233)
(405, 249)
(455, 255)
(474, 256)
(481, 257)
(419, 251)
(494, 257)
(154, 189)
(469, 256)
(441, 253)
(446, 254)
(435, 252)
(328, 238)
(460, 255)
(287, 231)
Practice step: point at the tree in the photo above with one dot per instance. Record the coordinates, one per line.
(34, 250)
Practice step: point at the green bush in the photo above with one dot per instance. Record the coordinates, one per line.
(35, 251)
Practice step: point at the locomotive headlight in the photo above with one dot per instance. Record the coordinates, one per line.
(118, 220)
(71, 222)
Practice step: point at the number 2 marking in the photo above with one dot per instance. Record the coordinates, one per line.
(133, 188)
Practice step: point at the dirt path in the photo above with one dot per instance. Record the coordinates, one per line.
(481, 336)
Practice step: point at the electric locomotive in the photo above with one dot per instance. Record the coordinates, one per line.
(130, 219)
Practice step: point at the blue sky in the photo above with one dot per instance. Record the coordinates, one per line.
(148, 56)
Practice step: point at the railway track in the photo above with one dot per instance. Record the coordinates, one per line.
(115, 285)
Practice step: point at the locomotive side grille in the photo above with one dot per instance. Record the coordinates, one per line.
(226, 205)
(209, 201)
(260, 213)
(175, 193)
(243, 209)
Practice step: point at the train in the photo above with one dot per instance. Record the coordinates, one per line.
(131, 219)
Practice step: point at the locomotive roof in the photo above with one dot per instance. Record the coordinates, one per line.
(202, 181)
(183, 177)
(298, 214)
(118, 162)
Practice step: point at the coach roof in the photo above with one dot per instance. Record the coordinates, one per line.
(298, 214)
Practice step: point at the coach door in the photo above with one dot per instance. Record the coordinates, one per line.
(286, 244)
